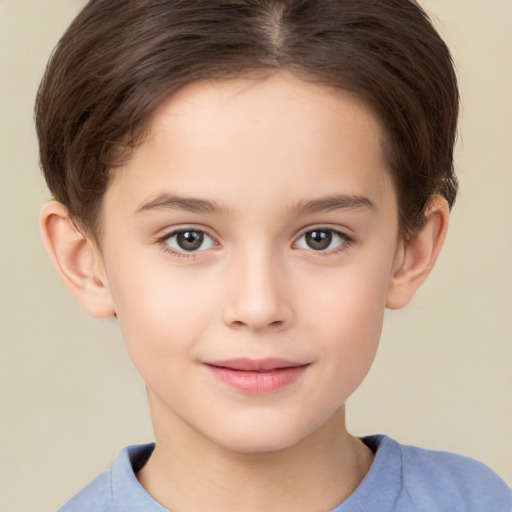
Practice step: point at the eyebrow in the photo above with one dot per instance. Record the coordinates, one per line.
(335, 202)
(194, 205)
(188, 204)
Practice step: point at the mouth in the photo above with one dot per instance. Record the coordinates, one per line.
(257, 375)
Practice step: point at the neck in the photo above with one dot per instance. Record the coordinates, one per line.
(190, 473)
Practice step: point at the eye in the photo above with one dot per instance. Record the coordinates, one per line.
(189, 240)
(322, 240)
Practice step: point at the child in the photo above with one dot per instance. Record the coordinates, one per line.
(246, 185)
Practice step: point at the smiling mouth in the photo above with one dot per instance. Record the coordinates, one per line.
(257, 375)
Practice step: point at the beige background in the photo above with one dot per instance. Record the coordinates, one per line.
(69, 396)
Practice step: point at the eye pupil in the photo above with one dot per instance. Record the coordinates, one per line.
(190, 240)
(319, 240)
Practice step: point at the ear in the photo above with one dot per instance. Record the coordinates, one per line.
(417, 255)
(77, 260)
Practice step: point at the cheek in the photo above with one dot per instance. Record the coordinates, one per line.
(348, 299)
(346, 319)
(161, 313)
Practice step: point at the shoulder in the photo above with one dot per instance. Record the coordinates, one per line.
(96, 496)
(117, 489)
(452, 482)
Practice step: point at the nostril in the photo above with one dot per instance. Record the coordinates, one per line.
(238, 324)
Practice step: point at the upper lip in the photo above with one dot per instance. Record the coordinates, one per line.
(255, 365)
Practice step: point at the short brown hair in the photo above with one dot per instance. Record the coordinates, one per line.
(120, 59)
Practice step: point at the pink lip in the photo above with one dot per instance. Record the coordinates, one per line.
(257, 375)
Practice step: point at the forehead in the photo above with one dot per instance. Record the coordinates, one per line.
(279, 136)
(285, 108)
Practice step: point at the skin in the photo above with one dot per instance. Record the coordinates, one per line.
(274, 159)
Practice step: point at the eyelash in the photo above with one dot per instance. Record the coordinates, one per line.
(162, 242)
(346, 241)
(344, 245)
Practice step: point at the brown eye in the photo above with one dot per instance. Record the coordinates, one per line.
(318, 240)
(322, 240)
(189, 240)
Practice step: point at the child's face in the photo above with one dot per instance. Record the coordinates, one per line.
(287, 240)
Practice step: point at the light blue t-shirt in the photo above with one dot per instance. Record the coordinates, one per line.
(401, 479)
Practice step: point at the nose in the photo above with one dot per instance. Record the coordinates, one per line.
(259, 296)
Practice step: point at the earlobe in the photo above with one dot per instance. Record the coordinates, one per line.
(417, 255)
(77, 260)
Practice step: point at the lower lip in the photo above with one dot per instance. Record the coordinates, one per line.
(258, 382)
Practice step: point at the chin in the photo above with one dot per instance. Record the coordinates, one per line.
(258, 439)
